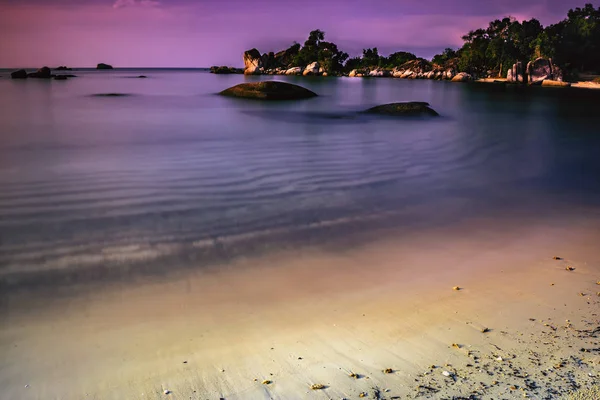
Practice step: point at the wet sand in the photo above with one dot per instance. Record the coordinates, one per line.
(381, 320)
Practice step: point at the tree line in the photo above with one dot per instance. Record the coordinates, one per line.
(573, 44)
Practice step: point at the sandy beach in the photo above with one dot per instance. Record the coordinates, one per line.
(383, 320)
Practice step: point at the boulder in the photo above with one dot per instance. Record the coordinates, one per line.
(538, 70)
(407, 74)
(294, 71)
(268, 90)
(312, 69)
(20, 74)
(380, 73)
(462, 77)
(412, 108)
(104, 66)
(252, 62)
(42, 73)
(62, 68)
(60, 77)
(353, 73)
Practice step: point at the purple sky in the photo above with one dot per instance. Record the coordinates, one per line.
(199, 33)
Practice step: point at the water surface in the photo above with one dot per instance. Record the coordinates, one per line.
(172, 169)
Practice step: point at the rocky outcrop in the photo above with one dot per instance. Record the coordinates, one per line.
(312, 69)
(20, 74)
(412, 108)
(379, 73)
(516, 74)
(62, 68)
(42, 73)
(269, 90)
(252, 62)
(225, 70)
(462, 77)
(104, 66)
(61, 77)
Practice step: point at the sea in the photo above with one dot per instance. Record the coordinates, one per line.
(168, 175)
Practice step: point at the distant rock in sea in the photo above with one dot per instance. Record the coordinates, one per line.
(269, 90)
(411, 108)
(42, 73)
(62, 68)
(104, 66)
(111, 95)
(225, 70)
(20, 74)
(252, 62)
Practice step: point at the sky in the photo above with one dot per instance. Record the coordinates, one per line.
(201, 33)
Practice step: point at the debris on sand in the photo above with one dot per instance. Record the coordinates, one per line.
(267, 382)
(354, 375)
(557, 258)
(167, 392)
(456, 345)
(456, 288)
(317, 386)
(388, 371)
(447, 373)
(569, 268)
(485, 330)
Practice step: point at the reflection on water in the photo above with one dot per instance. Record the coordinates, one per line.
(89, 182)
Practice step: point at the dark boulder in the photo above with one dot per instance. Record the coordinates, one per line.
(42, 73)
(60, 77)
(269, 90)
(62, 68)
(410, 108)
(104, 66)
(253, 62)
(20, 74)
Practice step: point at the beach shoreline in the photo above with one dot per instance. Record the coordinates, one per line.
(385, 313)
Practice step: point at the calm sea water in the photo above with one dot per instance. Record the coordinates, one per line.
(174, 172)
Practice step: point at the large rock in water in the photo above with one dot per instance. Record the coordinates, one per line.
(411, 108)
(43, 73)
(269, 90)
(294, 71)
(252, 62)
(104, 66)
(20, 74)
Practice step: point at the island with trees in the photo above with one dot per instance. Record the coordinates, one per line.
(507, 50)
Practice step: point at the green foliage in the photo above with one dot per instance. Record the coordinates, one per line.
(573, 44)
(316, 48)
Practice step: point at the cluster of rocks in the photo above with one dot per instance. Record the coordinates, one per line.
(42, 73)
(540, 71)
(277, 64)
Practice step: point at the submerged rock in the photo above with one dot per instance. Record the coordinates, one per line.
(111, 95)
(104, 66)
(410, 108)
(268, 90)
(20, 74)
(61, 77)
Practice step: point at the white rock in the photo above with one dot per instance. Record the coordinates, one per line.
(167, 391)
(294, 71)
(446, 373)
(311, 69)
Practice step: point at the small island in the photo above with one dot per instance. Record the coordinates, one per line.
(506, 51)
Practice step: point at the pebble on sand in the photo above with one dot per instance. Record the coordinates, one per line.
(388, 371)
(167, 391)
(456, 288)
(446, 373)
(267, 382)
(569, 268)
(317, 386)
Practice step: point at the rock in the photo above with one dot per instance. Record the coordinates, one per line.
(311, 69)
(104, 66)
(353, 73)
(403, 109)
(294, 71)
(225, 70)
(62, 68)
(111, 95)
(553, 83)
(380, 73)
(166, 391)
(20, 74)
(42, 73)
(388, 371)
(266, 382)
(324, 74)
(456, 288)
(60, 77)
(462, 77)
(269, 90)
(509, 75)
(446, 373)
(252, 62)
(541, 69)
(317, 386)
(407, 74)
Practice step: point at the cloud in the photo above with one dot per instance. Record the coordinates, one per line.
(131, 3)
